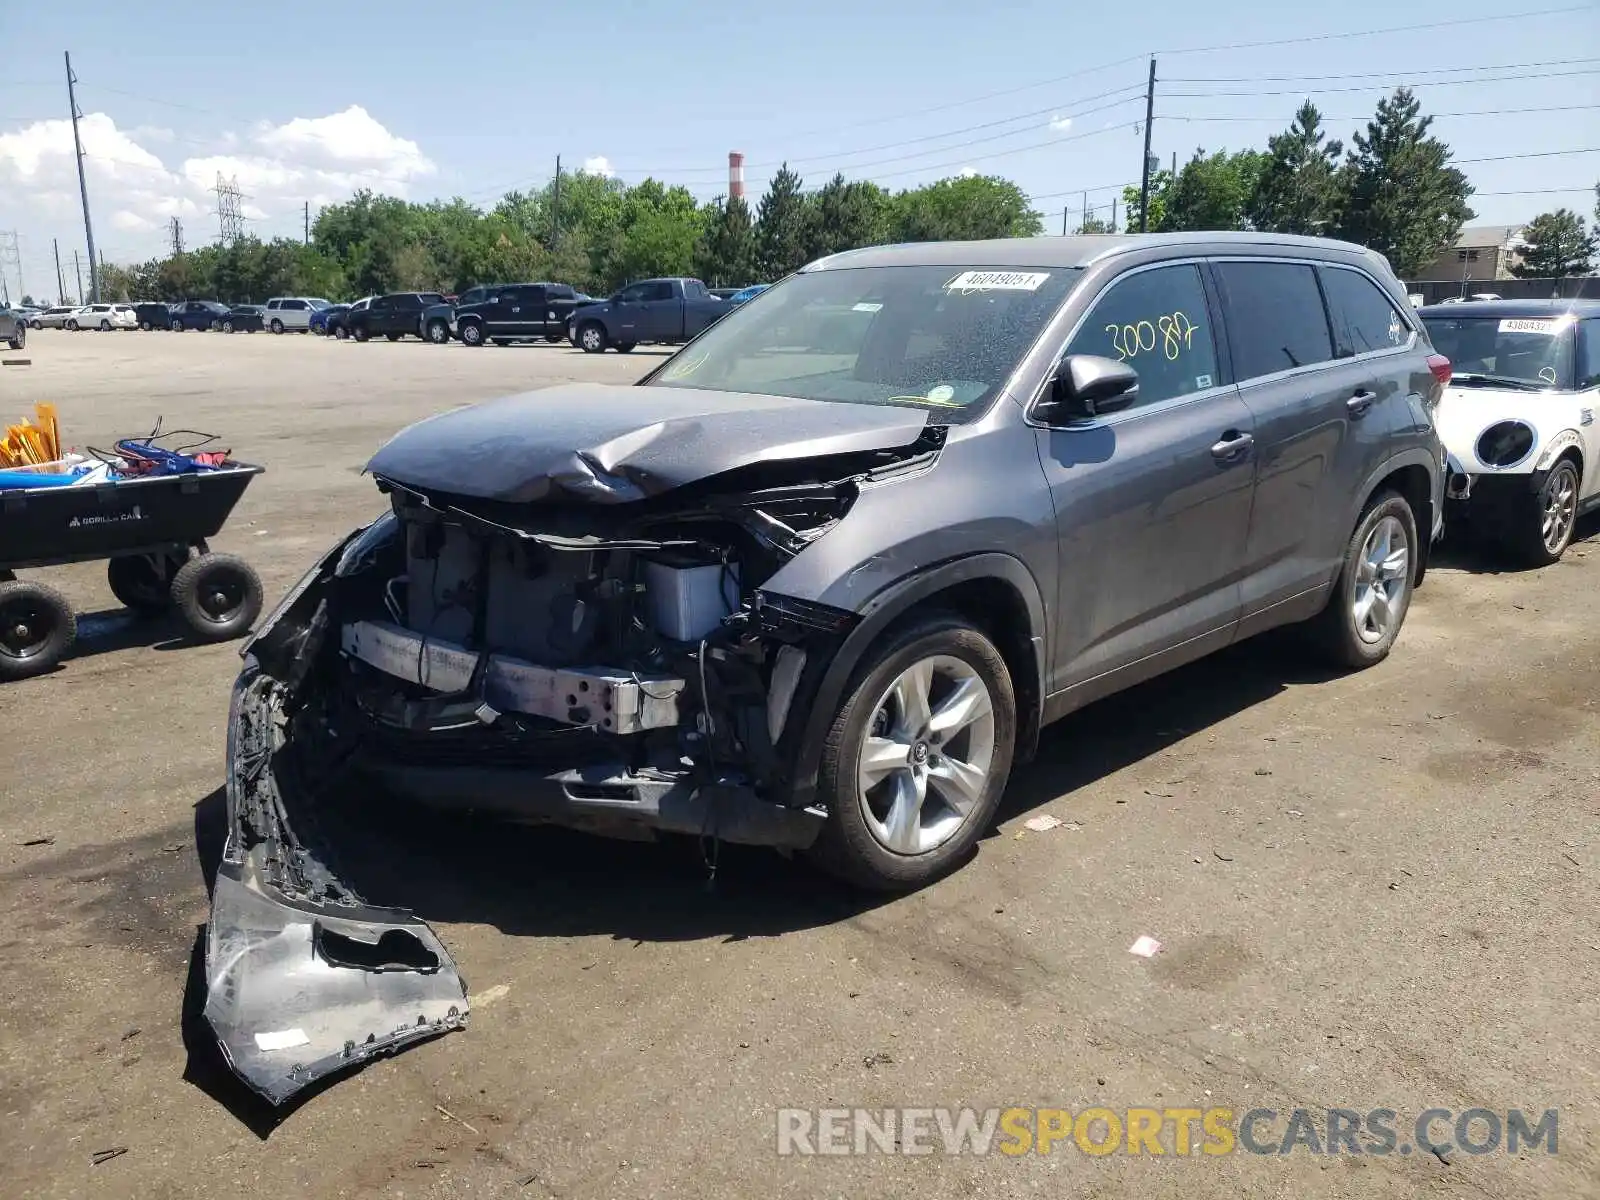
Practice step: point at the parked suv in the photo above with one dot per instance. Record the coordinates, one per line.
(196, 314)
(104, 317)
(394, 316)
(291, 314)
(819, 579)
(14, 327)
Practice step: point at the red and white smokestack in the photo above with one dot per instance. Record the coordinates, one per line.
(735, 175)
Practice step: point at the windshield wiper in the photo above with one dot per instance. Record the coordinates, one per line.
(1510, 381)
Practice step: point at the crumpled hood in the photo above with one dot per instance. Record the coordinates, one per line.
(611, 444)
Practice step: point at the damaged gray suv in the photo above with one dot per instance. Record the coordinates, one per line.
(817, 581)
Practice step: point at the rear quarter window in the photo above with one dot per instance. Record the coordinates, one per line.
(1363, 317)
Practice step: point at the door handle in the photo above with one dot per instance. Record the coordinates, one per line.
(1233, 447)
(1358, 404)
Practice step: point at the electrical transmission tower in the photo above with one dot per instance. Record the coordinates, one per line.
(175, 233)
(11, 256)
(230, 220)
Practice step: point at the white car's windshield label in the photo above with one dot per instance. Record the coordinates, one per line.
(997, 281)
(1532, 325)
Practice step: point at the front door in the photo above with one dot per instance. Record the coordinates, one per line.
(660, 314)
(1153, 502)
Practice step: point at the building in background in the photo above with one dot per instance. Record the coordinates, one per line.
(1480, 252)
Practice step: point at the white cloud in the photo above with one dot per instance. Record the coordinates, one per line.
(279, 167)
(1060, 124)
(967, 172)
(598, 165)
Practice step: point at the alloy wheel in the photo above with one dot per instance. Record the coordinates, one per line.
(1381, 580)
(1560, 507)
(925, 761)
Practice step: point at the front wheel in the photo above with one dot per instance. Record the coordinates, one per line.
(227, 327)
(218, 596)
(340, 333)
(72, 326)
(438, 332)
(1373, 592)
(592, 337)
(19, 336)
(625, 347)
(277, 325)
(144, 326)
(917, 757)
(37, 628)
(38, 324)
(177, 327)
(360, 333)
(105, 326)
(1538, 528)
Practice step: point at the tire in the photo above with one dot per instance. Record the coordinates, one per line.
(38, 324)
(72, 326)
(471, 333)
(227, 327)
(105, 326)
(1535, 528)
(143, 582)
(553, 338)
(855, 842)
(277, 325)
(1341, 636)
(394, 337)
(217, 595)
(592, 337)
(438, 332)
(340, 333)
(19, 337)
(144, 326)
(37, 628)
(501, 341)
(625, 347)
(177, 327)
(360, 333)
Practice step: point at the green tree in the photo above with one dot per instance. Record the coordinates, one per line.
(844, 216)
(1403, 199)
(1160, 189)
(976, 206)
(1094, 224)
(1213, 191)
(1558, 245)
(1299, 191)
(726, 253)
(781, 221)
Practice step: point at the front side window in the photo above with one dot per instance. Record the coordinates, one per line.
(634, 294)
(1589, 354)
(1364, 319)
(1530, 353)
(938, 337)
(1276, 321)
(1155, 321)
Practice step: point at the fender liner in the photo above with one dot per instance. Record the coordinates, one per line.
(1567, 439)
(1416, 456)
(876, 615)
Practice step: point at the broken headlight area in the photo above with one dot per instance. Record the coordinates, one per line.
(619, 671)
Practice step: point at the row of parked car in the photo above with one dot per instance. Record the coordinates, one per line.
(668, 311)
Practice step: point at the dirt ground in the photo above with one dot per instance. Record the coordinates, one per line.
(1373, 891)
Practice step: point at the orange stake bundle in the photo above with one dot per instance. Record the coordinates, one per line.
(30, 445)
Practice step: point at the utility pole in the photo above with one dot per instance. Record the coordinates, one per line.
(307, 238)
(1144, 183)
(77, 266)
(555, 210)
(83, 186)
(61, 287)
(1063, 220)
(1113, 214)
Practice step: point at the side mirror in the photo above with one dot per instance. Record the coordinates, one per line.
(1086, 386)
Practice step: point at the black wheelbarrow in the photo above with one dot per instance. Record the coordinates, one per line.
(151, 529)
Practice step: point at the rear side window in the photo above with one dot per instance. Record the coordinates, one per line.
(1276, 321)
(1364, 319)
(1156, 322)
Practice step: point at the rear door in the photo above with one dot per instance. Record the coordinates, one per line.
(1153, 502)
(531, 318)
(296, 314)
(1317, 416)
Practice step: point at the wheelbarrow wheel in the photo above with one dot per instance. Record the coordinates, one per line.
(143, 582)
(218, 596)
(37, 628)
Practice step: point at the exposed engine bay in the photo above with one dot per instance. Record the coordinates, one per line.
(617, 668)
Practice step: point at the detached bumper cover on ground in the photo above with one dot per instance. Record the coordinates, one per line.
(302, 978)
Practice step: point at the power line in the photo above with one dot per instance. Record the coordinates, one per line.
(1336, 37)
(1521, 66)
(1432, 83)
(1585, 187)
(1480, 112)
(1532, 154)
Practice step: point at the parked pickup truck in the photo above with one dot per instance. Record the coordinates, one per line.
(504, 313)
(654, 310)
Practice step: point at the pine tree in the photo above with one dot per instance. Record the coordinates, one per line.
(1299, 190)
(1558, 246)
(726, 254)
(1402, 198)
(843, 216)
(781, 226)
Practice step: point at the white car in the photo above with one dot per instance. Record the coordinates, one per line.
(1521, 419)
(104, 317)
(291, 314)
(53, 318)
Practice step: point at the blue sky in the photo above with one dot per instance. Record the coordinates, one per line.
(427, 100)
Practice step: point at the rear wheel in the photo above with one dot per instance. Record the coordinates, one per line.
(592, 337)
(145, 326)
(360, 333)
(277, 325)
(73, 326)
(340, 333)
(1373, 592)
(105, 326)
(177, 327)
(143, 582)
(438, 332)
(553, 338)
(37, 628)
(218, 596)
(19, 336)
(918, 755)
(227, 327)
(625, 347)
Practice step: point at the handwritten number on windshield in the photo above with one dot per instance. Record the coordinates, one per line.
(1173, 333)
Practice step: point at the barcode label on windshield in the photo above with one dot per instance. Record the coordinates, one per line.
(997, 281)
(1530, 325)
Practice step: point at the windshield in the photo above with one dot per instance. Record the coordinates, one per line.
(318, 304)
(1532, 352)
(929, 336)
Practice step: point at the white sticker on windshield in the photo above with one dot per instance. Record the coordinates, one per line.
(997, 281)
(864, 306)
(1531, 325)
